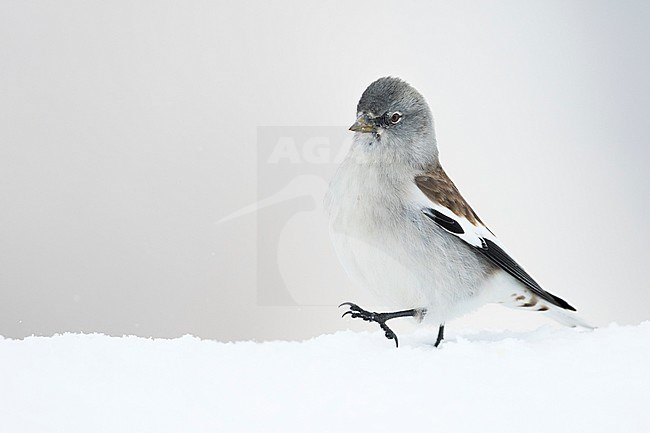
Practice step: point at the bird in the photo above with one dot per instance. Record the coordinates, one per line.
(402, 230)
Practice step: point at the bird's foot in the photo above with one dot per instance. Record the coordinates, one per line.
(357, 312)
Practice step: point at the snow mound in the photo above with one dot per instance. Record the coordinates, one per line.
(548, 380)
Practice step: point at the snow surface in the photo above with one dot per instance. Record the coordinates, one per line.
(548, 380)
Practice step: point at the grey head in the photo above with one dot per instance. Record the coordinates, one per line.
(395, 124)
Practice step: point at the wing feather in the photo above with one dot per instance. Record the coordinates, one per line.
(444, 205)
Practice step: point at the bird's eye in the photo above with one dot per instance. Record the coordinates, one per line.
(395, 118)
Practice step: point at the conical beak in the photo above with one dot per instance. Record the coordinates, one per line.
(363, 124)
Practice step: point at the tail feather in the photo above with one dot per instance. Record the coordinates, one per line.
(567, 318)
(524, 298)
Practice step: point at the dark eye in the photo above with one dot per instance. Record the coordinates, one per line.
(396, 117)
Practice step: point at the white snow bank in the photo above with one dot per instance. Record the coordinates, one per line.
(544, 381)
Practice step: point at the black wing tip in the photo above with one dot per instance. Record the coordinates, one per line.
(502, 259)
(561, 303)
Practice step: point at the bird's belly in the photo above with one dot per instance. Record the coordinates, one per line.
(405, 268)
(382, 269)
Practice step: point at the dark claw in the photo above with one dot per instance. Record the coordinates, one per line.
(389, 333)
(357, 312)
(353, 307)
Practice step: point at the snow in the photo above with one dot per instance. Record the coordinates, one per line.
(547, 380)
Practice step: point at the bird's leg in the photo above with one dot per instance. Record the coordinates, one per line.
(441, 332)
(357, 312)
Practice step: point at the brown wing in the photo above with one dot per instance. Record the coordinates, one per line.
(437, 186)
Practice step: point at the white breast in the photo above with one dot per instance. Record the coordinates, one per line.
(387, 246)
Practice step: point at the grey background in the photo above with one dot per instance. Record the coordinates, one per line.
(130, 130)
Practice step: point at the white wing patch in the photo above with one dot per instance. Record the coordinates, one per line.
(472, 234)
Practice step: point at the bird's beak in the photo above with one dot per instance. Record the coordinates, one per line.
(363, 124)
